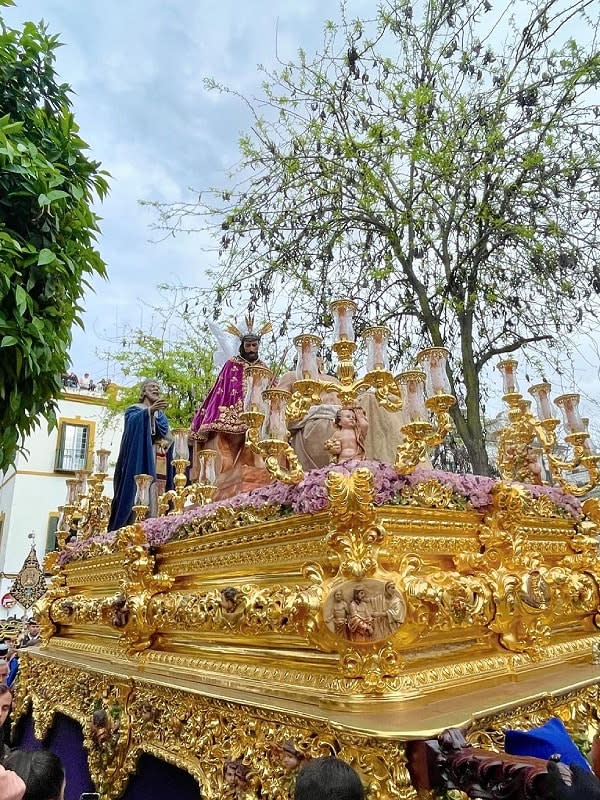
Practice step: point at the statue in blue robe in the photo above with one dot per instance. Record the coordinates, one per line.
(145, 427)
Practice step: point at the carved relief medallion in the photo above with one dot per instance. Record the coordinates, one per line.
(364, 611)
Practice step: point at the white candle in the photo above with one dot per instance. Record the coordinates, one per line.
(541, 393)
(414, 397)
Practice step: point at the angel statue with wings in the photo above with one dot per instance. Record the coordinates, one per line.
(216, 424)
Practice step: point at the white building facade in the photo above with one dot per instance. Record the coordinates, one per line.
(31, 492)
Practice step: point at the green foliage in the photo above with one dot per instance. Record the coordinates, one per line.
(47, 230)
(439, 165)
(184, 369)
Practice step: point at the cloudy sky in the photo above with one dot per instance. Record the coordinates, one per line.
(137, 68)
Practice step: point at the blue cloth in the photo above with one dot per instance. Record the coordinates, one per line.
(13, 668)
(136, 457)
(545, 741)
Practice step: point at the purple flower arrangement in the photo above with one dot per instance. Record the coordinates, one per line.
(310, 496)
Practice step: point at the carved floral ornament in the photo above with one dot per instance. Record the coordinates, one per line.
(121, 719)
(364, 600)
(204, 736)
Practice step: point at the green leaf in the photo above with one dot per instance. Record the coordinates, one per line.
(8, 341)
(21, 299)
(45, 257)
(56, 194)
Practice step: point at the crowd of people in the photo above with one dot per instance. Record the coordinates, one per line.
(72, 381)
(9, 652)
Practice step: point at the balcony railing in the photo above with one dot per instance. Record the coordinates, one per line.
(71, 460)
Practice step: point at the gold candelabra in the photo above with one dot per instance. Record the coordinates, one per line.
(527, 438)
(201, 491)
(86, 510)
(420, 433)
(267, 433)
(268, 411)
(310, 386)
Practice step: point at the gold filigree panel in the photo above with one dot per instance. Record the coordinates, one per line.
(94, 700)
(123, 718)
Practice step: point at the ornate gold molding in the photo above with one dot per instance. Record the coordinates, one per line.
(351, 603)
(122, 718)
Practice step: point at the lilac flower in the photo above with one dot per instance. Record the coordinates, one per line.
(310, 496)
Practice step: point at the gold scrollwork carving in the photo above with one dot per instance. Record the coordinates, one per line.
(200, 734)
(140, 585)
(432, 494)
(526, 595)
(225, 518)
(372, 668)
(355, 537)
(246, 609)
(98, 703)
(56, 589)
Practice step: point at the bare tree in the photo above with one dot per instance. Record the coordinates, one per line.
(438, 163)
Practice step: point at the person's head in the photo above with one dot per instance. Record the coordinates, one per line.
(345, 418)
(150, 390)
(3, 671)
(290, 757)
(4, 648)
(359, 595)
(328, 779)
(249, 345)
(42, 772)
(229, 772)
(6, 699)
(390, 589)
(241, 773)
(338, 595)
(229, 598)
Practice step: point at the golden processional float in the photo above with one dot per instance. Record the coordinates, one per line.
(353, 610)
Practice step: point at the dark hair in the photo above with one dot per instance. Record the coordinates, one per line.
(249, 337)
(4, 689)
(328, 779)
(338, 415)
(40, 770)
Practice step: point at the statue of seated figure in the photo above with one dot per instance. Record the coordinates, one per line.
(318, 425)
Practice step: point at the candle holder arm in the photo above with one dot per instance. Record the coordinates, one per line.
(272, 451)
(581, 458)
(410, 453)
(175, 499)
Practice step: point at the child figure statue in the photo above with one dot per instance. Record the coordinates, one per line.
(348, 441)
(291, 760)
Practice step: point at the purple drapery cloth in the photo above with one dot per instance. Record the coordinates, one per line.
(66, 740)
(153, 779)
(156, 780)
(220, 411)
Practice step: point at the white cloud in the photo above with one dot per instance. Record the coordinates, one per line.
(137, 67)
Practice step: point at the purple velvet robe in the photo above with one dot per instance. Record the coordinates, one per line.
(220, 411)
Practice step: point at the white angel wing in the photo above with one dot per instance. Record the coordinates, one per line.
(227, 344)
